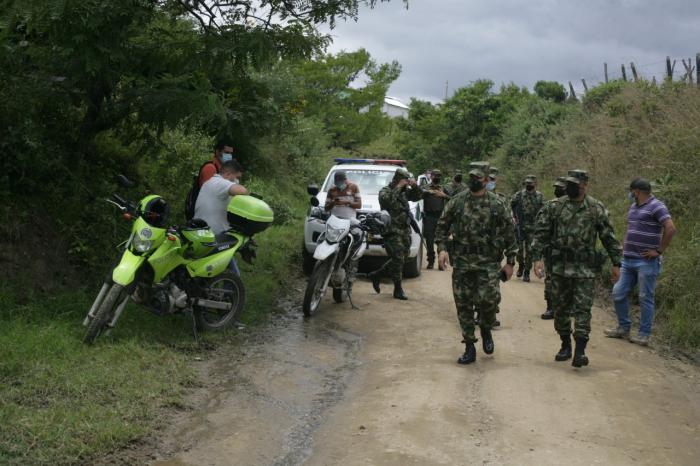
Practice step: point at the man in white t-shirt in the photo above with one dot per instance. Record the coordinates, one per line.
(215, 195)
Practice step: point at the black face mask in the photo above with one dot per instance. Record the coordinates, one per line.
(573, 190)
(475, 185)
(436, 180)
(559, 191)
(458, 179)
(530, 187)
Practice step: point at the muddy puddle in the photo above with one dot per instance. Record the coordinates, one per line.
(270, 396)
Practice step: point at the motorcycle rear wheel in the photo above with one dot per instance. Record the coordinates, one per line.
(104, 313)
(314, 289)
(226, 287)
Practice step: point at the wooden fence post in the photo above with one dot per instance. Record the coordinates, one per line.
(624, 73)
(605, 69)
(697, 69)
(584, 85)
(634, 72)
(573, 93)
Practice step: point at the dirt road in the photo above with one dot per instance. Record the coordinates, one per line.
(380, 386)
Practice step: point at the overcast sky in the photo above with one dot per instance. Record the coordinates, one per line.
(521, 41)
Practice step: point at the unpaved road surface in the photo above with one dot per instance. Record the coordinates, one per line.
(380, 386)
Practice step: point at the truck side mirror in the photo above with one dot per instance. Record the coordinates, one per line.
(312, 189)
(314, 201)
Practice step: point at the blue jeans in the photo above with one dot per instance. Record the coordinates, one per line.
(642, 272)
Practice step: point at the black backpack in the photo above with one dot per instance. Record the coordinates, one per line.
(191, 199)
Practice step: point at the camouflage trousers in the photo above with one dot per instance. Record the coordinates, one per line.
(524, 253)
(548, 283)
(476, 293)
(397, 248)
(572, 297)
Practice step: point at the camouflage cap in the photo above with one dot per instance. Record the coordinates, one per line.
(530, 179)
(436, 172)
(493, 173)
(561, 182)
(577, 176)
(479, 169)
(401, 174)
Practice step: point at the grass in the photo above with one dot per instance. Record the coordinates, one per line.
(62, 402)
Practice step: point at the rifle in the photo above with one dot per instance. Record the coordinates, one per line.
(519, 214)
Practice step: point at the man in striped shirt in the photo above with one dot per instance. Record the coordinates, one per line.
(649, 233)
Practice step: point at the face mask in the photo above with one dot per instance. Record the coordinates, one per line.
(559, 192)
(340, 186)
(573, 190)
(475, 185)
(530, 187)
(630, 196)
(436, 180)
(491, 185)
(226, 157)
(458, 179)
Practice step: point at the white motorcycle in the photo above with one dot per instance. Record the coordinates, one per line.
(338, 251)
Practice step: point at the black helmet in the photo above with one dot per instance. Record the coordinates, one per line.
(155, 211)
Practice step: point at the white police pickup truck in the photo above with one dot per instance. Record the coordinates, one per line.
(370, 175)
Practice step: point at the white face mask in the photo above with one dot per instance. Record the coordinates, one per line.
(491, 185)
(226, 157)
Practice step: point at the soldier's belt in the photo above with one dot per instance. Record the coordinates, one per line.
(479, 250)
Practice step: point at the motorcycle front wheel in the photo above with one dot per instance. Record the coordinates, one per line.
(226, 288)
(316, 287)
(104, 313)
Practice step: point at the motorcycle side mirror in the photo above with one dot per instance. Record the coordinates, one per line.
(314, 201)
(124, 182)
(312, 189)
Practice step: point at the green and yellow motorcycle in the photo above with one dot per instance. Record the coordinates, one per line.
(171, 270)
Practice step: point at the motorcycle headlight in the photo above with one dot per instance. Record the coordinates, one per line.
(140, 244)
(334, 234)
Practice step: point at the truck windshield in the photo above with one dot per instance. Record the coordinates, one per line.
(369, 181)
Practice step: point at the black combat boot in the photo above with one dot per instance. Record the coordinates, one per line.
(520, 271)
(398, 291)
(526, 276)
(565, 351)
(469, 355)
(487, 341)
(431, 265)
(376, 279)
(548, 315)
(580, 358)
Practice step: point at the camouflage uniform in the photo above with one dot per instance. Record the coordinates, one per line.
(560, 182)
(397, 238)
(525, 205)
(455, 187)
(482, 232)
(432, 208)
(569, 231)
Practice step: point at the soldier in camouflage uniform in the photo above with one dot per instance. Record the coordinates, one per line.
(493, 183)
(525, 205)
(559, 191)
(456, 186)
(434, 199)
(397, 239)
(481, 232)
(570, 227)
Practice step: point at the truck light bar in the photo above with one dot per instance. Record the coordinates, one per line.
(372, 161)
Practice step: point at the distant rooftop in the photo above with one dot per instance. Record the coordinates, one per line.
(395, 102)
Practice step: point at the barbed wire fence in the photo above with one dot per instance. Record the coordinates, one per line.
(671, 69)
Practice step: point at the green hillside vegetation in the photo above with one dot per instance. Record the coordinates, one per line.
(617, 132)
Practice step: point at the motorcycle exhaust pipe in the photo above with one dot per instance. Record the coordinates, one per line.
(213, 304)
(100, 296)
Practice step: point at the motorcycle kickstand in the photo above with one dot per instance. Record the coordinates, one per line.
(195, 334)
(352, 305)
